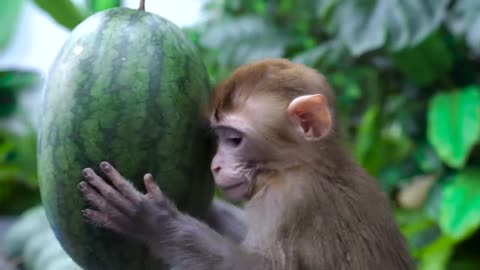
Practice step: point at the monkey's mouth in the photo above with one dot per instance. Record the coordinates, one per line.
(230, 187)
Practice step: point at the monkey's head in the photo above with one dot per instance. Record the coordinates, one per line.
(267, 116)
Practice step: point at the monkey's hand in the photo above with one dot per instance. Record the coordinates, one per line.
(176, 238)
(120, 207)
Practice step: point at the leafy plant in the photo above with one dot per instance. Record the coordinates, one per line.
(18, 181)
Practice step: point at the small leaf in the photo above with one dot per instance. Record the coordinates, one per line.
(99, 5)
(62, 11)
(9, 14)
(453, 124)
(460, 205)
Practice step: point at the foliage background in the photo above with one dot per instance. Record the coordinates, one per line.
(406, 74)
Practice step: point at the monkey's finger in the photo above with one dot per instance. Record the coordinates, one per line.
(124, 187)
(97, 201)
(152, 188)
(98, 219)
(107, 192)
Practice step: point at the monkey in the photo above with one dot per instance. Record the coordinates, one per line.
(307, 203)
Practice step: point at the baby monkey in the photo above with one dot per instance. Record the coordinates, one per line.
(308, 204)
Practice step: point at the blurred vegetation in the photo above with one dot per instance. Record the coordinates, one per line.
(406, 74)
(18, 172)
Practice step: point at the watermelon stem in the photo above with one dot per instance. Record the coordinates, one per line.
(142, 5)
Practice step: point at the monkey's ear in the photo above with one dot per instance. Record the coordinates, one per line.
(311, 115)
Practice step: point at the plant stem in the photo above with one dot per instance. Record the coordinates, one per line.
(142, 5)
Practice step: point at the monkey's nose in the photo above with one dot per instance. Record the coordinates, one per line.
(216, 170)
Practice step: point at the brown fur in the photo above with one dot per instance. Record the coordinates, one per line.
(327, 213)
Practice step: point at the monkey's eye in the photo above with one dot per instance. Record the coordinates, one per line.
(234, 141)
(229, 136)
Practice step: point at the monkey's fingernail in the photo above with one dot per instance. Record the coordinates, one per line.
(82, 186)
(86, 173)
(105, 166)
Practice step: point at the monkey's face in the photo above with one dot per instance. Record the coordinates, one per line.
(263, 136)
(232, 168)
(241, 154)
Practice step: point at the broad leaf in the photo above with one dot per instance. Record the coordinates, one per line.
(312, 56)
(460, 205)
(242, 40)
(371, 24)
(9, 14)
(62, 11)
(464, 20)
(99, 5)
(326, 55)
(453, 124)
(435, 61)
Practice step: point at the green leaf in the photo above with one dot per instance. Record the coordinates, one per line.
(6, 147)
(9, 14)
(370, 24)
(368, 133)
(453, 124)
(427, 159)
(8, 102)
(312, 56)
(326, 55)
(436, 60)
(437, 255)
(460, 205)
(8, 172)
(242, 40)
(99, 5)
(464, 21)
(18, 79)
(418, 229)
(379, 144)
(26, 157)
(62, 11)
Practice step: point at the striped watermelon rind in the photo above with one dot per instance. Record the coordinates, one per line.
(127, 87)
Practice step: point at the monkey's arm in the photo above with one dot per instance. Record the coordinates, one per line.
(227, 219)
(176, 238)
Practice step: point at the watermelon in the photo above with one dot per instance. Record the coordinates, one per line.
(127, 87)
